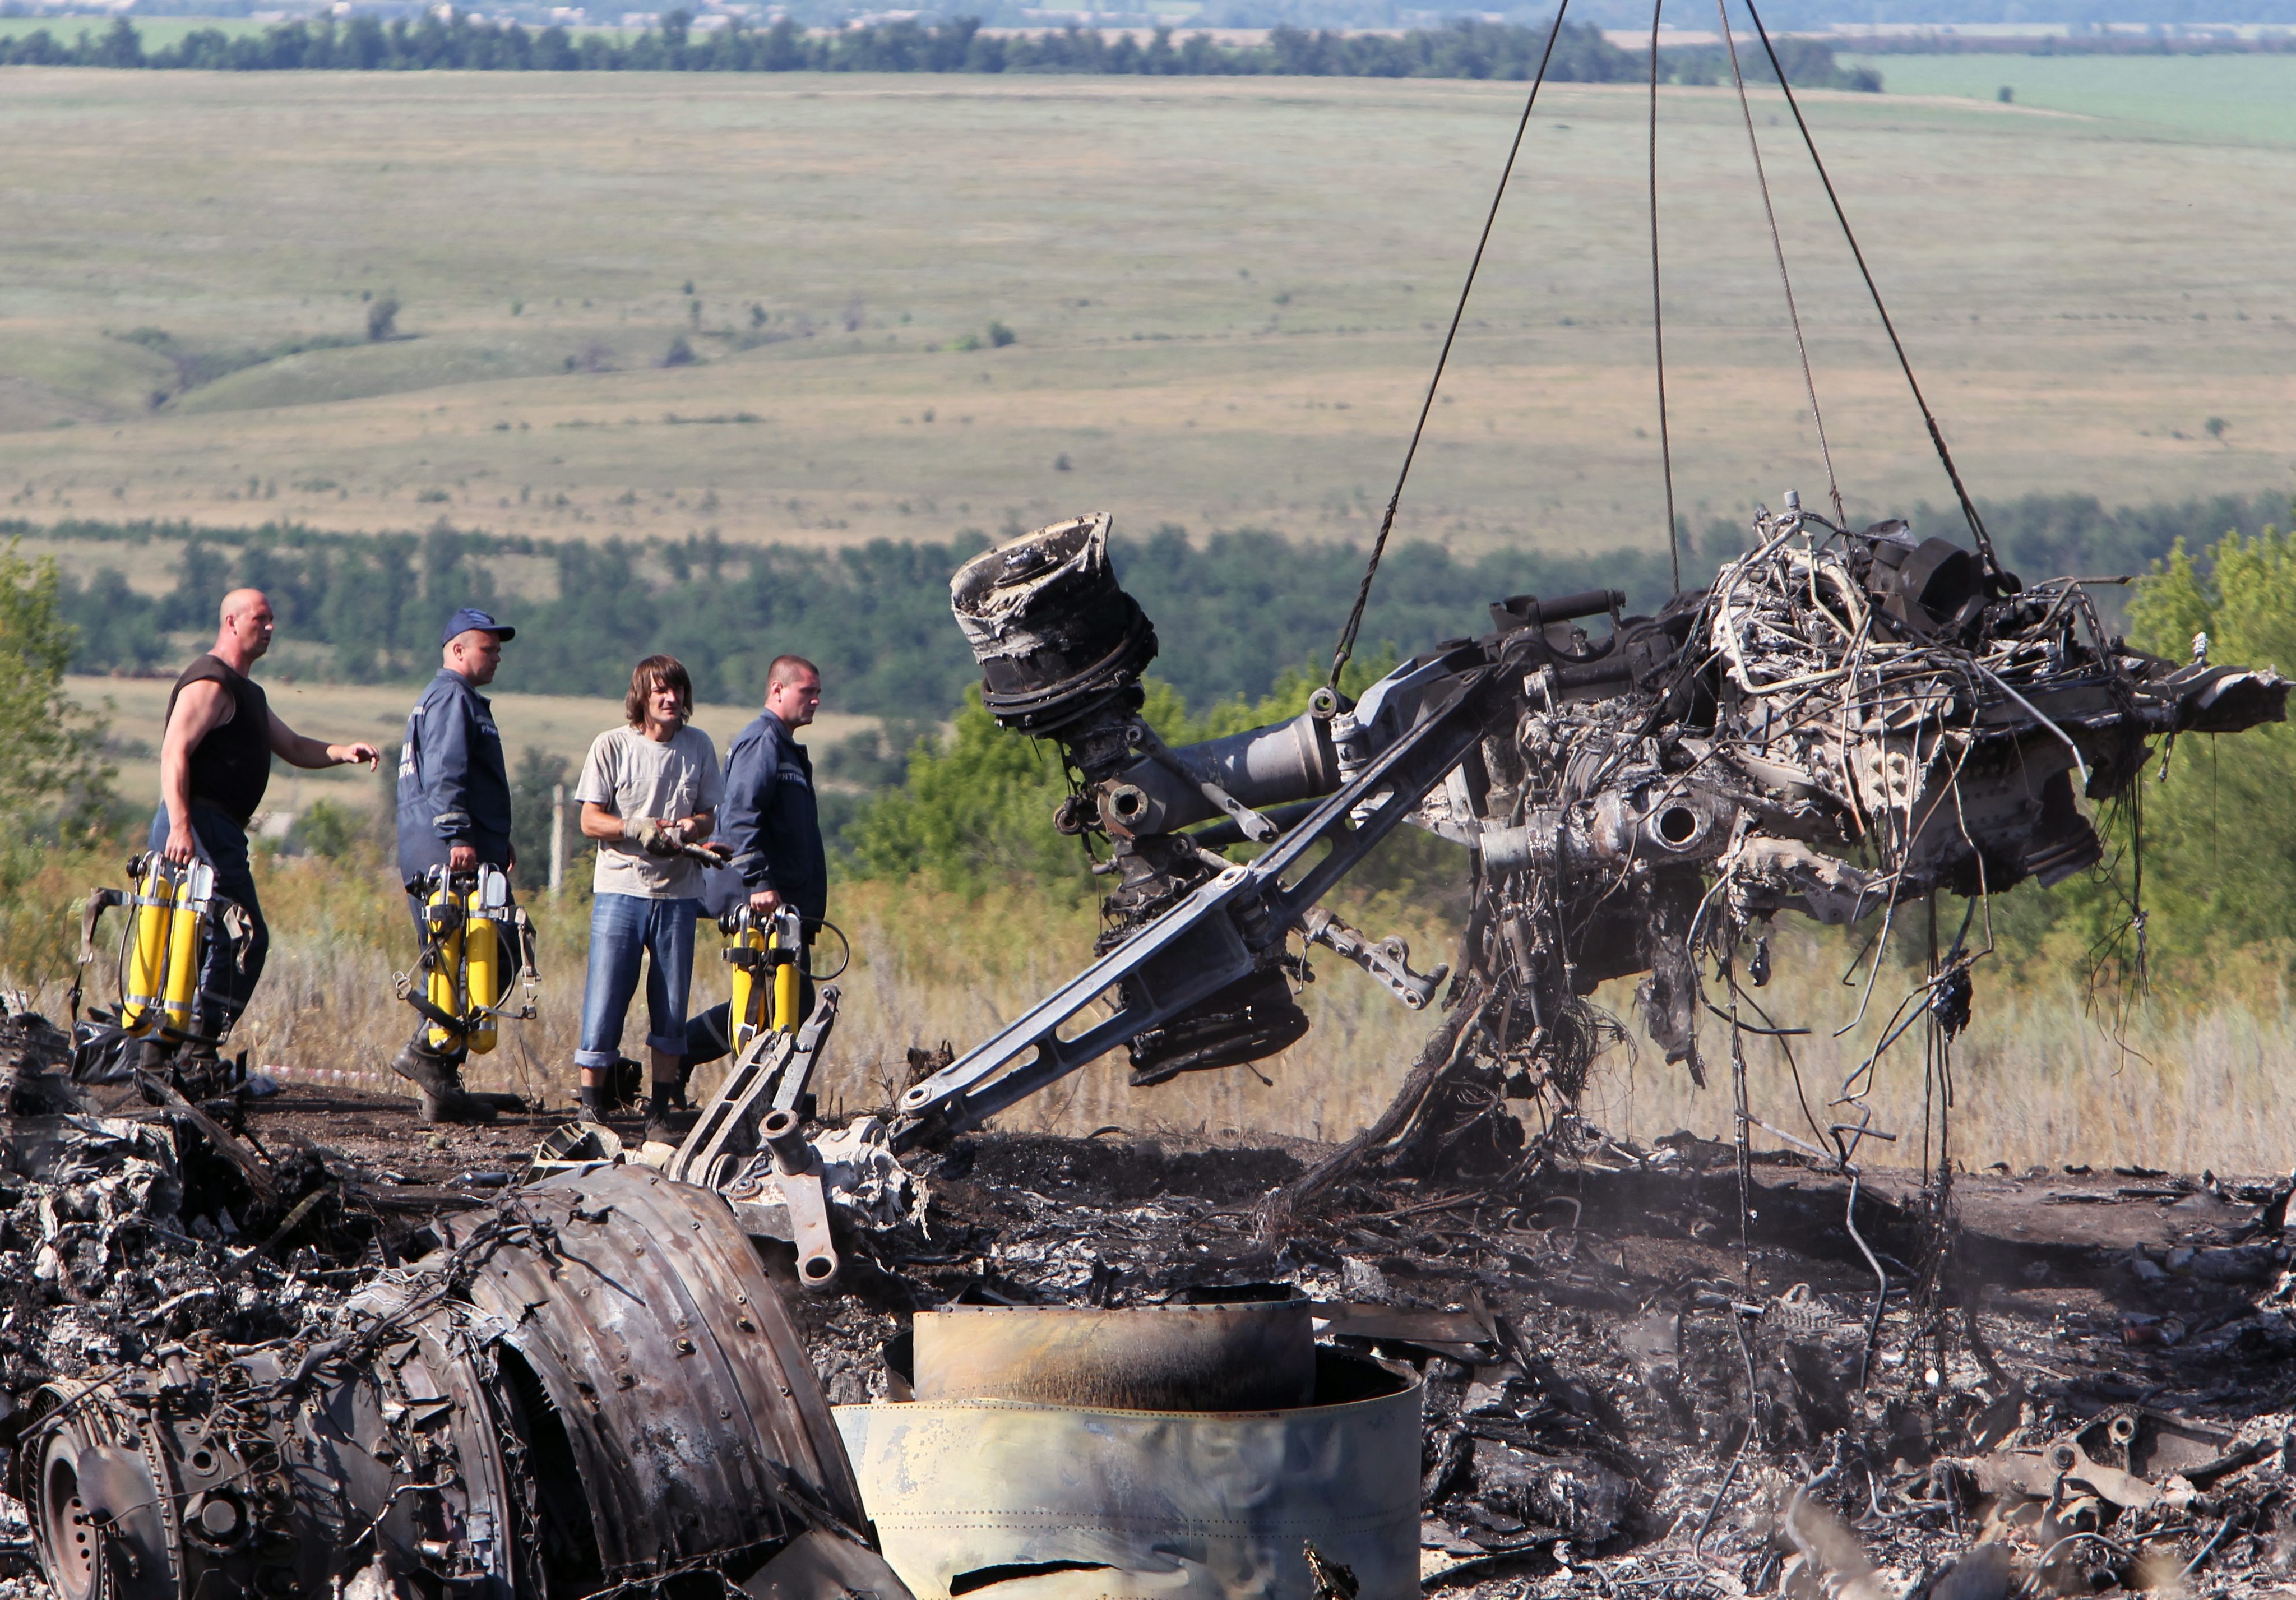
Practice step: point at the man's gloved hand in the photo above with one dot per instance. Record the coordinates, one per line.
(654, 838)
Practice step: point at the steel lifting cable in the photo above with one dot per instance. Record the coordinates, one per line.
(1657, 311)
(1777, 246)
(1929, 417)
(1347, 644)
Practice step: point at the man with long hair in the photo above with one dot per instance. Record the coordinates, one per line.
(648, 789)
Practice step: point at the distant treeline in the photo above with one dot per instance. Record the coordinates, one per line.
(2076, 44)
(1466, 48)
(1233, 612)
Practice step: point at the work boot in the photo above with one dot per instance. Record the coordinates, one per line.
(623, 1081)
(660, 1129)
(438, 1081)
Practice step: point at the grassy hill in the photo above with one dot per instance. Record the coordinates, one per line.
(1224, 295)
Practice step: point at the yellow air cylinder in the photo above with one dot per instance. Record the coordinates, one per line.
(143, 982)
(166, 945)
(746, 955)
(786, 937)
(444, 911)
(184, 929)
(482, 972)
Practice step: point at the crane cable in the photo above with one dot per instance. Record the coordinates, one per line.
(1345, 649)
(1347, 644)
(1658, 312)
(1929, 417)
(1778, 248)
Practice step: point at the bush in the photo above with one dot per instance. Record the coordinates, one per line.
(382, 318)
(679, 354)
(2204, 844)
(537, 773)
(326, 828)
(54, 767)
(999, 335)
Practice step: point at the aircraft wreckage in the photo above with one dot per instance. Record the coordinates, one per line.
(597, 1387)
(1843, 721)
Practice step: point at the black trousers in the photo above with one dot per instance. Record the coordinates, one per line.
(226, 985)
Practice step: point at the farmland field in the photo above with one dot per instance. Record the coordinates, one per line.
(2230, 99)
(158, 33)
(1224, 296)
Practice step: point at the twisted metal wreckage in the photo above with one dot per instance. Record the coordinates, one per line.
(1845, 721)
(598, 1386)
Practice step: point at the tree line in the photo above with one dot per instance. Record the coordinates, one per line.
(1235, 612)
(2162, 43)
(1466, 48)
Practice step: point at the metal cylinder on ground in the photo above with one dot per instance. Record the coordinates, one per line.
(1014, 1499)
(1249, 1355)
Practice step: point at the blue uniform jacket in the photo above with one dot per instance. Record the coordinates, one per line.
(771, 823)
(453, 787)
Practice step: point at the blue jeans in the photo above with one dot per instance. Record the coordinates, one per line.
(226, 985)
(624, 927)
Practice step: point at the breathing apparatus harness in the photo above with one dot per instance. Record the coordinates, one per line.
(458, 984)
(764, 952)
(174, 912)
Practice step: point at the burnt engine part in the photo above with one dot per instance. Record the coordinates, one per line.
(595, 1386)
(1184, 1450)
(1844, 721)
(1239, 1355)
(1061, 647)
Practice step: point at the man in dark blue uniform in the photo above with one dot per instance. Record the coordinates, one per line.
(453, 811)
(770, 821)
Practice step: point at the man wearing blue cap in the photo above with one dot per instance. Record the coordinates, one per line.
(453, 811)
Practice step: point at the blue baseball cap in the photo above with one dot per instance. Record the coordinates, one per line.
(470, 617)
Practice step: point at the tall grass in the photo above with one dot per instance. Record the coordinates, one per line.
(2191, 1080)
(2043, 1076)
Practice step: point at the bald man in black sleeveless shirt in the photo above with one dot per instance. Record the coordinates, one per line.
(215, 762)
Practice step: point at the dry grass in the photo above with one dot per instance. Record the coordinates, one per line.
(2038, 1081)
(1227, 294)
(928, 966)
(2041, 1077)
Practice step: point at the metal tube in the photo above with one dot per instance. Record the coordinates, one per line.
(1263, 767)
(784, 1137)
(557, 837)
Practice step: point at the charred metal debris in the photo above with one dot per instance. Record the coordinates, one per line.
(1847, 722)
(240, 1363)
(1617, 1396)
(1619, 1399)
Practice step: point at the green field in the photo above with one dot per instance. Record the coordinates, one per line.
(1227, 295)
(158, 33)
(2216, 99)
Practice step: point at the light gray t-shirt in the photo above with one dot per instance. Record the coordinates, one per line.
(631, 776)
